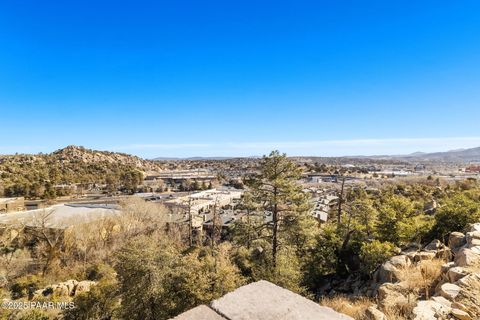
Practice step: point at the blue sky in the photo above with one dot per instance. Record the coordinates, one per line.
(225, 78)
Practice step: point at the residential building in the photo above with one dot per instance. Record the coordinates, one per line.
(8, 205)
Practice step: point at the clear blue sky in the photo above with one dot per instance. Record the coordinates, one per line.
(188, 78)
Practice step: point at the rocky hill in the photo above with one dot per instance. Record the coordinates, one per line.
(37, 175)
(76, 153)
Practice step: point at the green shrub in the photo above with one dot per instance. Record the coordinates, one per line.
(25, 286)
(456, 214)
(374, 253)
(33, 315)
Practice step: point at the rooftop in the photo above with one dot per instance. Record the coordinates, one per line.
(60, 216)
(9, 200)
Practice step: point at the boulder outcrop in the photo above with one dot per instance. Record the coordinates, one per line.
(467, 257)
(68, 288)
(430, 310)
(372, 313)
(457, 291)
(449, 291)
(456, 240)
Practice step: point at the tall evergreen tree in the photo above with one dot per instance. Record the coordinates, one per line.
(274, 190)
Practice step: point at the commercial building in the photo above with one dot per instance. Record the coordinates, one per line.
(473, 168)
(200, 204)
(174, 179)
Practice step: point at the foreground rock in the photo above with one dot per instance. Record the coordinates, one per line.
(456, 240)
(442, 300)
(462, 315)
(456, 273)
(263, 300)
(469, 297)
(449, 291)
(425, 255)
(386, 273)
(200, 313)
(475, 227)
(392, 296)
(467, 257)
(426, 310)
(373, 313)
(434, 245)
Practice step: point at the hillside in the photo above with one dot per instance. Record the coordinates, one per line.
(452, 156)
(35, 176)
(463, 155)
(76, 154)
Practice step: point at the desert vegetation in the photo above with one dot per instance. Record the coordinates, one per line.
(138, 265)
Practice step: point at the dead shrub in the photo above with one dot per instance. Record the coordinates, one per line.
(354, 307)
(421, 278)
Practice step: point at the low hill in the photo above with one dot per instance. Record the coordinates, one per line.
(463, 155)
(37, 175)
(452, 156)
(76, 153)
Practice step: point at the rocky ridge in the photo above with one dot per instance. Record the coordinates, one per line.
(76, 153)
(453, 294)
(69, 288)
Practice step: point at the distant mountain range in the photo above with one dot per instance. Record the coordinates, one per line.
(193, 158)
(459, 155)
(202, 158)
(76, 153)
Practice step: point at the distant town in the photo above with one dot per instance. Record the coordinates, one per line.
(191, 189)
(100, 231)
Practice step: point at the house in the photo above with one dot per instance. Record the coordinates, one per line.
(320, 215)
(322, 206)
(199, 204)
(318, 178)
(174, 179)
(8, 205)
(473, 168)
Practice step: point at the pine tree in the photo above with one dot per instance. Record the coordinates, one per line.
(275, 191)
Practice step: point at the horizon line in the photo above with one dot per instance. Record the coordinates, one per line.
(374, 147)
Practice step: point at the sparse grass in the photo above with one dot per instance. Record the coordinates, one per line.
(398, 314)
(417, 280)
(355, 308)
(401, 310)
(422, 277)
